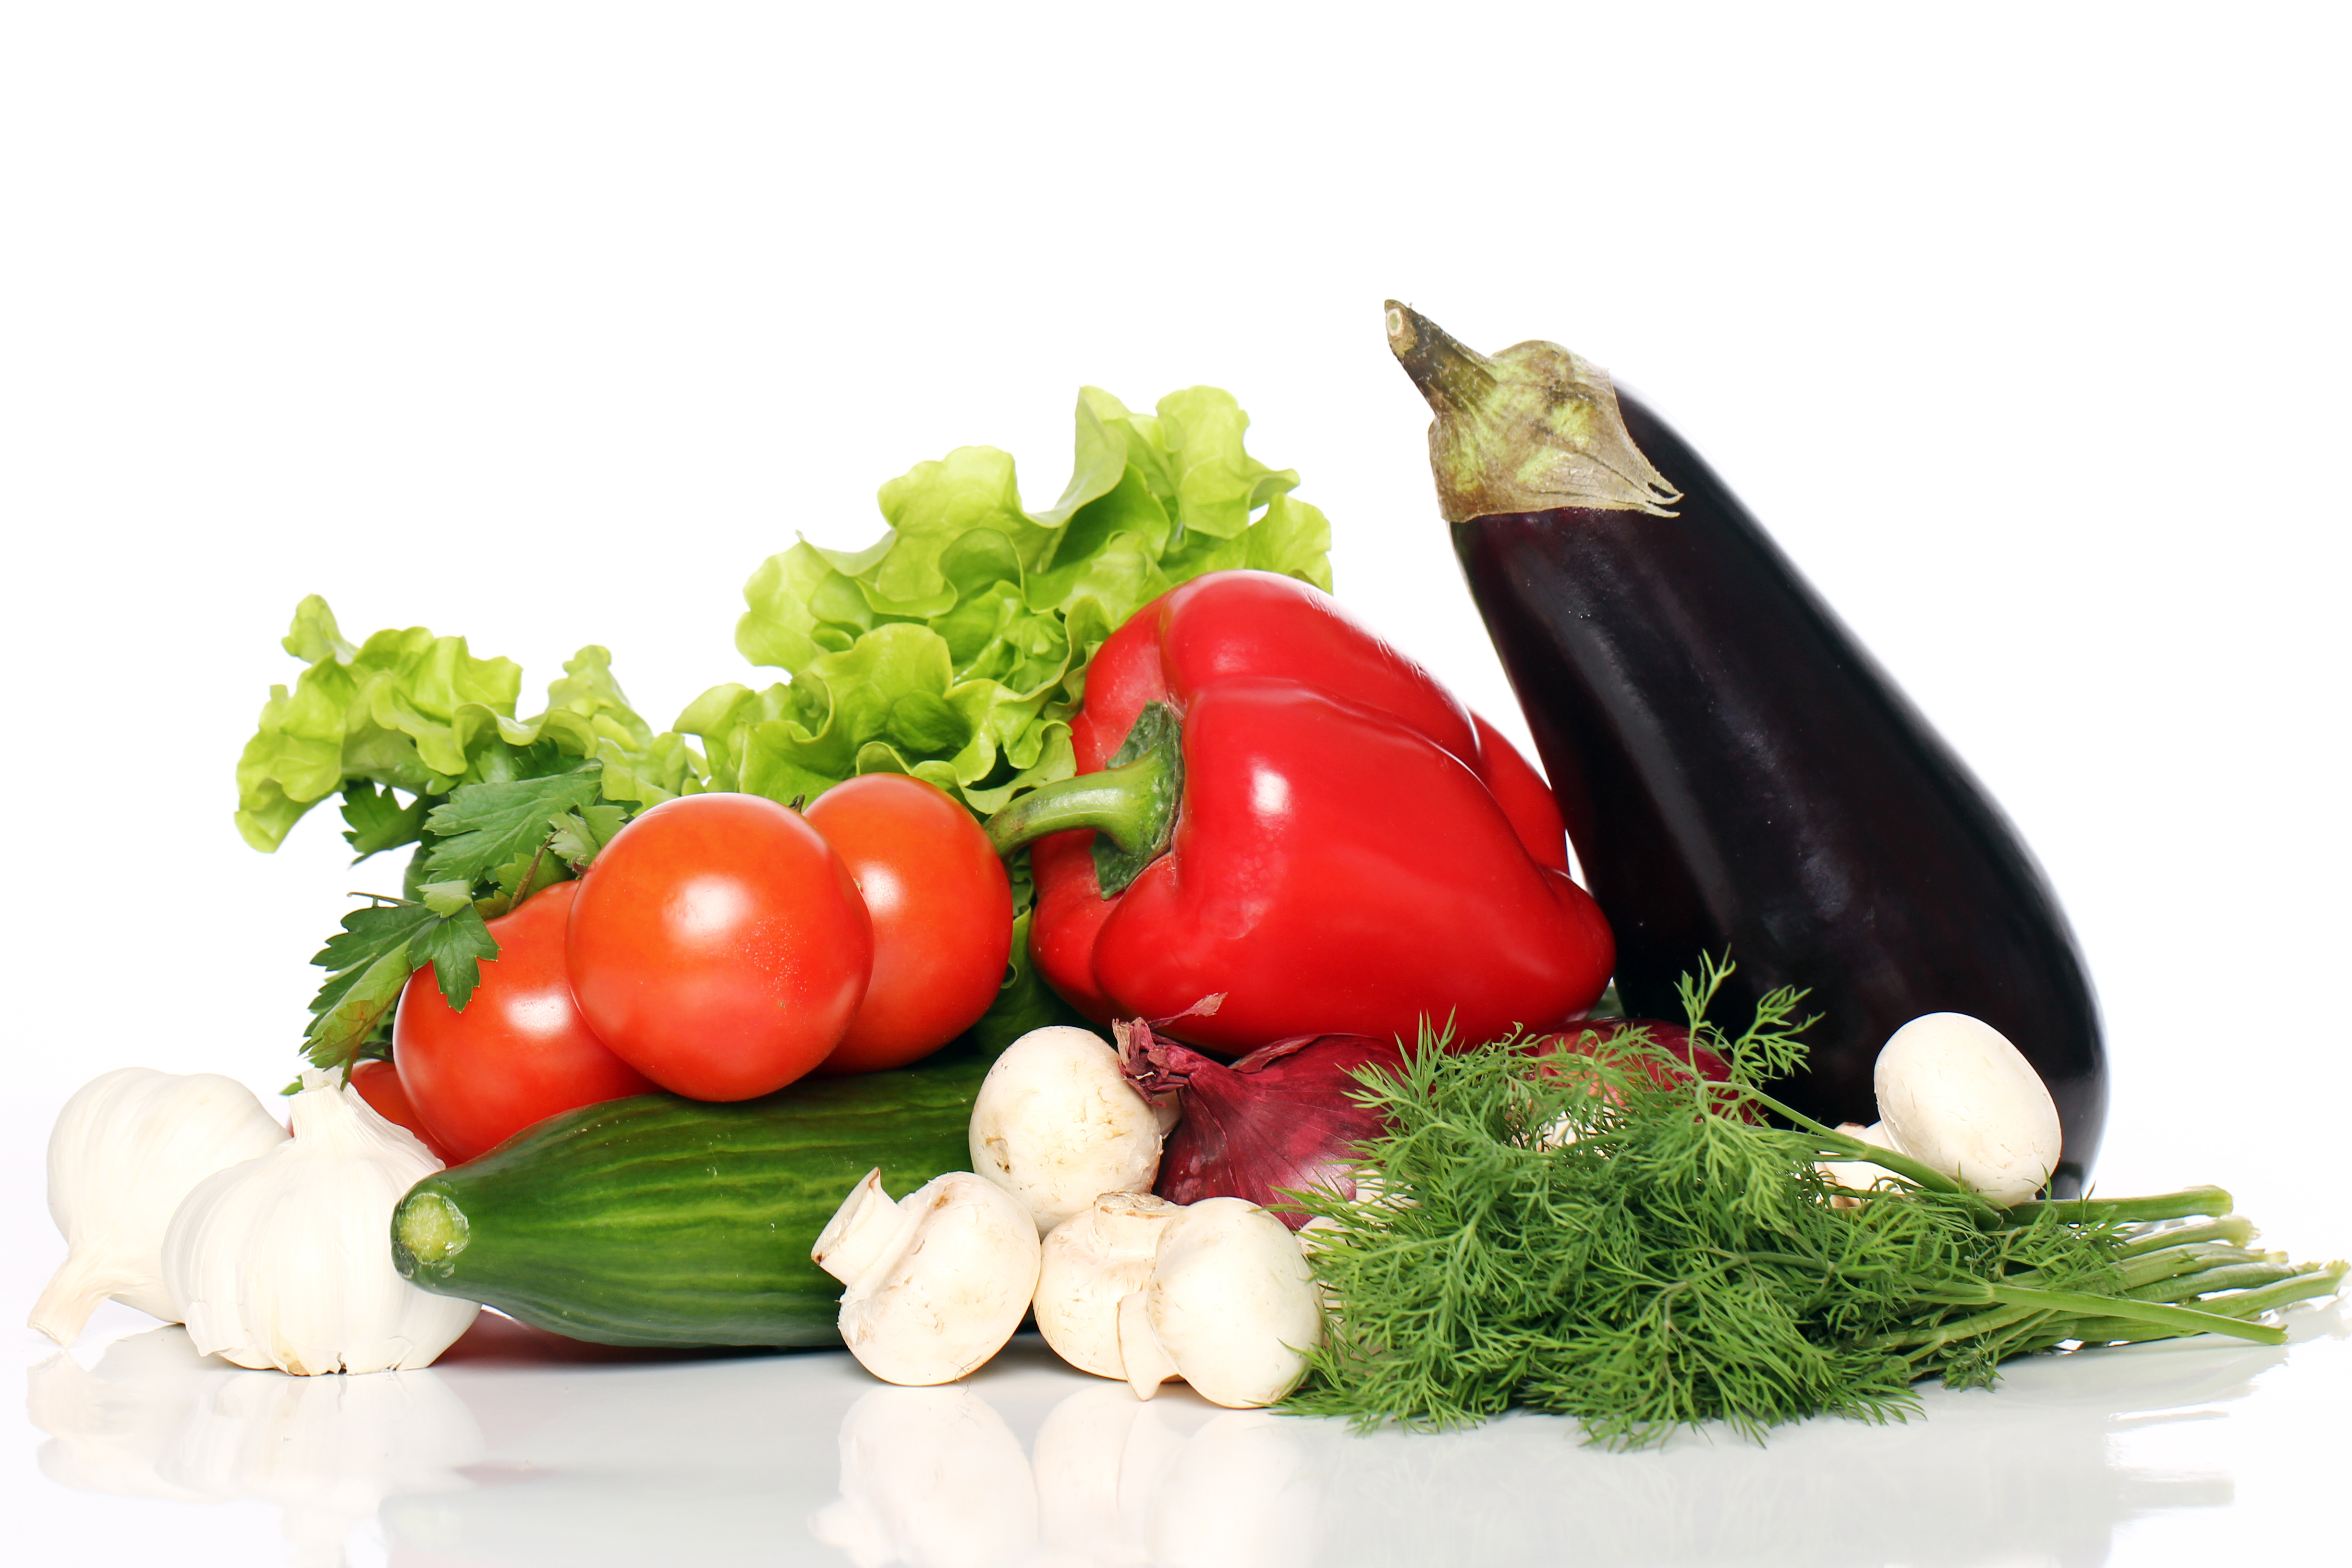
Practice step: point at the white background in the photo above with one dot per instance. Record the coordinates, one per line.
(2023, 328)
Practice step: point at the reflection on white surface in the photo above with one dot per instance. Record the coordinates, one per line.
(155, 1420)
(931, 1477)
(523, 1450)
(1121, 1481)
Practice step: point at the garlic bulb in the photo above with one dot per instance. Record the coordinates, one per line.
(127, 1148)
(286, 1260)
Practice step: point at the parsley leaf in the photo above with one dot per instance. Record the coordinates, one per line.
(484, 826)
(372, 957)
(362, 998)
(446, 898)
(378, 820)
(581, 836)
(367, 934)
(454, 946)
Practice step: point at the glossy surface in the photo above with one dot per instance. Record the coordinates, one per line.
(520, 1052)
(519, 1450)
(720, 947)
(1737, 773)
(941, 910)
(663, 1222)
(1353, 853)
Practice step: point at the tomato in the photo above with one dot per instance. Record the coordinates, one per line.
(942, 914)
(720, 947)
(520, 1052)
(379, 1084)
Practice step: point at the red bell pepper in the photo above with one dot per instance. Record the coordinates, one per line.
(1274, 806)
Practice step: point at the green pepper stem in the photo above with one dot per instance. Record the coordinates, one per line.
(1118, 802)
(1130, 805)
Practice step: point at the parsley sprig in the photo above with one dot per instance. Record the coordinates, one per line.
(1617, 1242)
(482, 849)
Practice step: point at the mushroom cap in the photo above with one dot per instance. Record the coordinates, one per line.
(1958, 1097)
(1056, 1124)
(951, 1289)
(1092, 1259)
(1232, 1303)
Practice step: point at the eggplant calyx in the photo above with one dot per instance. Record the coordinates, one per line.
(1532, 428)
(1131, 804)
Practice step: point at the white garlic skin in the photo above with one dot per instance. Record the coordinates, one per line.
(1957, 1096)
(126, 1149)
(286, 1260)
(1056, 1124)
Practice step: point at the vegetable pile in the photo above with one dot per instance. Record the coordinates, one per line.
(935, 675)
(657, 1023)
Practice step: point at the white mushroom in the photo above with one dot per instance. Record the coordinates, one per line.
(1231, 1308)
(1092, 1260)
(1056, 1124)
(938, 1282)
(1958, 1097)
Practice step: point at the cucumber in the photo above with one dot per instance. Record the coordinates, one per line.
(663, 1221)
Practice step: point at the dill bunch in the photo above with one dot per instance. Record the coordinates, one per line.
(1614, 1239)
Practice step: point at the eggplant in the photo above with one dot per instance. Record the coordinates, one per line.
(1737, 773)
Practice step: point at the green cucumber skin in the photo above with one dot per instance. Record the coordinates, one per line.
(671, 1222)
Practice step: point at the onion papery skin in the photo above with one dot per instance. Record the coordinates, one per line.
(1281, 1119)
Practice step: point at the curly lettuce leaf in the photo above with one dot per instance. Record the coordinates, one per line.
(410, 711)
(954, 648)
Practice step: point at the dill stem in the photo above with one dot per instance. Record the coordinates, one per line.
(1903, 1166)
(2234, 1228)
(2174, 1320)
(2244, 1304)
(2092, 1210)
(2151, 1267)
(2228, 1277)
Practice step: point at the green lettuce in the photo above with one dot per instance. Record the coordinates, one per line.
(954, 649)
(408, 710)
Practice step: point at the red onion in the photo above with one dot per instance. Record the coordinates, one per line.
(1285, 1117)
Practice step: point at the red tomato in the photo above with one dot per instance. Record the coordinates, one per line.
(520, 1052)
(942, 914)
(379, 1084)
(718, 947)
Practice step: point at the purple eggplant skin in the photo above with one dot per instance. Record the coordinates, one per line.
(1738, 774)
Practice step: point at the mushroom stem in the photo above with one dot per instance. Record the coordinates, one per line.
(1147, 1362)
(860, 1232)
(1092, 1260)
(948, 1274)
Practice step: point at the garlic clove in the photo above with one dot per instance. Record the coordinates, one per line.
(1092, 1260)
(127, 1148)
(284, 1261)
